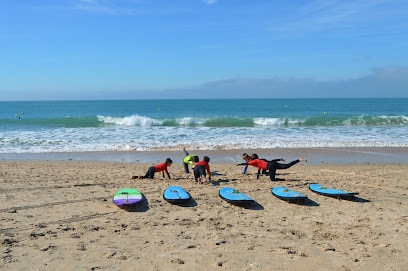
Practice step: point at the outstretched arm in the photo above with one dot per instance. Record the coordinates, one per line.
(185, 152)
(245, 169)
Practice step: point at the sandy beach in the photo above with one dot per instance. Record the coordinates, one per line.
(58, 215)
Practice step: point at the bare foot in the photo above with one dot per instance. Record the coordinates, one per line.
(301, 159)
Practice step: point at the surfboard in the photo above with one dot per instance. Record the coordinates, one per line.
(126, 197)
(176, 194)
(331, 192)
(232, 195)
(288, 194)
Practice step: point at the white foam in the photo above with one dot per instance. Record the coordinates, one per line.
(134, 120)
(143, 138)
(189, 121)
(268, 121)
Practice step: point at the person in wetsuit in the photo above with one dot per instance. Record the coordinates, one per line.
(156, 168)
(187, 160)
(246, 158)
(270, 166)
(202, 172)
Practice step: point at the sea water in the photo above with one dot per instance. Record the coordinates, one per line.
(202, 124)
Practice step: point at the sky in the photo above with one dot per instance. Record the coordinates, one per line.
(137, 49)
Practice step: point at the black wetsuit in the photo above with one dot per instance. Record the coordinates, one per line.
(199, 170)
(274, 165)
(271, 166)
(150, 173)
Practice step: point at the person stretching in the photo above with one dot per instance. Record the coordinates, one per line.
(156, 168)
(187, 160)
(271, 166)
(200, 170)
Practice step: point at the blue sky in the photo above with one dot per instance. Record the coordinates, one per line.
(126, 49)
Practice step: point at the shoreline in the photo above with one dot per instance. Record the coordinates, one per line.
(347, 155)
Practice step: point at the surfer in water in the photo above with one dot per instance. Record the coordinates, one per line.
(156, 168)
(202, 170)
(264, 165)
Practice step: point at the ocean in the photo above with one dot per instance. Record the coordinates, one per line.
(203, 124)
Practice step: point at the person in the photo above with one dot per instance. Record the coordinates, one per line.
(254, 156)
(156, 168)
(202, 170)
(246, 158)
(271, 166)
(188, 159)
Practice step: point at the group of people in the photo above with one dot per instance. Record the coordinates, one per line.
(201, 169)
(202, 172)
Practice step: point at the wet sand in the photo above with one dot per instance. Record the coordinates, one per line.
(314, 155)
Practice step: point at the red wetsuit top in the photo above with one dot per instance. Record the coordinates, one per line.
(205, 164)
(259, 163)
(161, 167)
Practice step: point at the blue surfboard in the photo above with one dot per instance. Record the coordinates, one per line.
(331, 192)
(232, 195)
(176, 194)
(288, 194)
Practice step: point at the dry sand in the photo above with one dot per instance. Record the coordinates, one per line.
(58, 215)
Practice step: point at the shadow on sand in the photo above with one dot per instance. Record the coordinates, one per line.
(219, 181)
(142, 206)
(184, 203)
(353, 198)
(250, 204)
